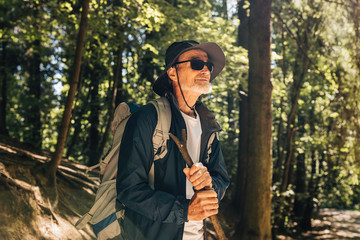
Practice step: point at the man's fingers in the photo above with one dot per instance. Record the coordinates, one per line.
(196, 167)
(203, 204)
(210, 207)
(210, 203)
(203, 184)
(198, 176)
(207, 194)
(187, 172)
(204, 181)
(201, 173)
(211, 212)
(193, 173)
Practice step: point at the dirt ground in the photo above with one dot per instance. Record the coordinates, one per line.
(26, 212)
(335, 225)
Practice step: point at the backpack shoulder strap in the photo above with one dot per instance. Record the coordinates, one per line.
(211, 140)
(161, 133)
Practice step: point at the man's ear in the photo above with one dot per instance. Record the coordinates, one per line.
(171, 72)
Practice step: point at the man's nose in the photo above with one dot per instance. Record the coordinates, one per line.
(205, 69)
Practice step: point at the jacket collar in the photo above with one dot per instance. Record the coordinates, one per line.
(207, 118)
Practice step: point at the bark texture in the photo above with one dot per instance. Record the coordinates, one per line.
(257, 209)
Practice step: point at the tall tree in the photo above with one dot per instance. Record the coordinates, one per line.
(33, 88)
(257, 213)
(56, 160)
(94, 134)
(3, 89)
(242, 157)
(243, 34)
(239, 198)
(117, 84)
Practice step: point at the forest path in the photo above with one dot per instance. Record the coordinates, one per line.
(332, 224)
(335, 224)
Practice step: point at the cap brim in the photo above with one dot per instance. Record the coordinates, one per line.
(215, 55)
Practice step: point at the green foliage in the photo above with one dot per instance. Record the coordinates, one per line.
(326, 126)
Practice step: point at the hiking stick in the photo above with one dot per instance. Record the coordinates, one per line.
(183, 150)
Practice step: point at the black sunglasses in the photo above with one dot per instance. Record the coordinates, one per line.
(198, 65)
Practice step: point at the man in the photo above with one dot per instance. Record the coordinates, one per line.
(172, 210)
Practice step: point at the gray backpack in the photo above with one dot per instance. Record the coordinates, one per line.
(104, 215)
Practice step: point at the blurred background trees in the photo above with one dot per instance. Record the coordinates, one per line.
(315, 74)
(316, 110)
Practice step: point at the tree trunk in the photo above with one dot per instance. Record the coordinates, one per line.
(354, 10)
(56, 160)
(146, 68)
(280, 139)
(257, 209)
(94, 135)
(305, 223)
(33, 94)
(290, 140)
(242, 157)
(117, 79)
(77, 126)
(300, 187)
(243, 33)
(230, 108)
(224, 11)
(279, 146)
(3, 86)
(78, 112)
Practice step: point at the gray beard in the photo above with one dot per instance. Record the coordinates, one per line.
(202, 89)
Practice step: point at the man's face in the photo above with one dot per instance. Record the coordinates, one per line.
(194, 80)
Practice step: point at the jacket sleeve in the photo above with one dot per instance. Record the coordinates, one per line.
(135, 160)
(217, 169)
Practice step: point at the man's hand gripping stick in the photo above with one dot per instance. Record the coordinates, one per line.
(184, 152)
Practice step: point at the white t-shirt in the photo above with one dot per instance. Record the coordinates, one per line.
(193, 230)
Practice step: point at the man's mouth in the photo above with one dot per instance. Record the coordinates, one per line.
(202, 79)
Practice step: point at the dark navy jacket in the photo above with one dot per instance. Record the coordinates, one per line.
(161, 213)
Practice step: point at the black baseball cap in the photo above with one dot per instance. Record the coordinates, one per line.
(215, 56)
